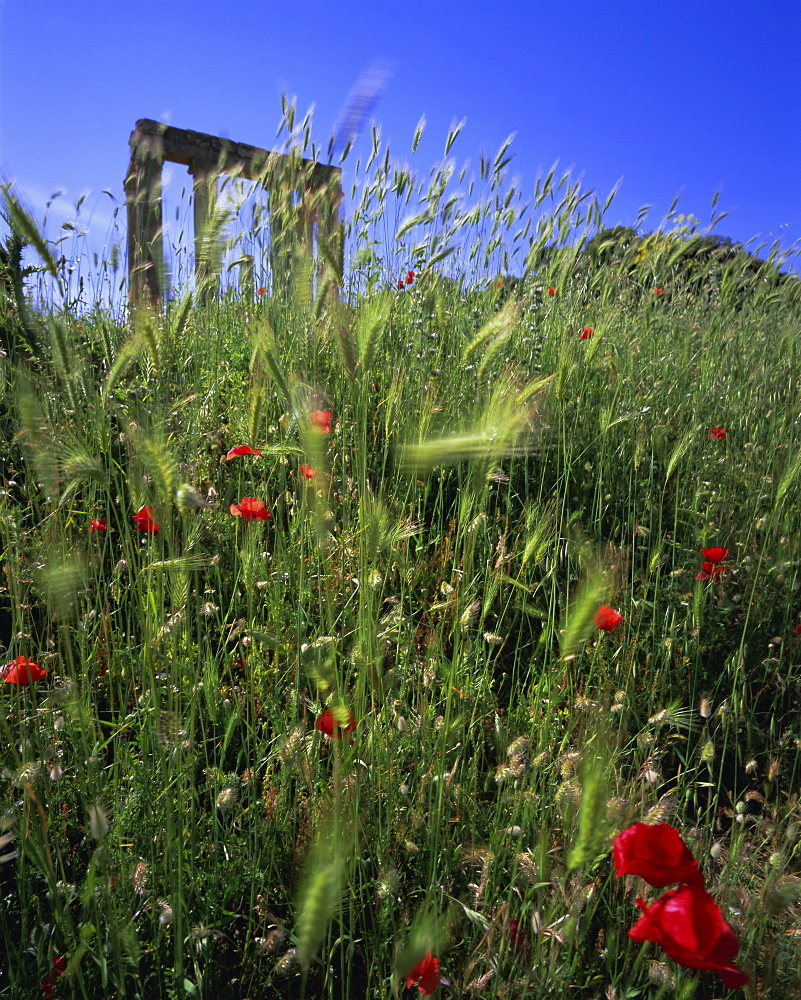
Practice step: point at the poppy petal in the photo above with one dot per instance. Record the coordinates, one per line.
(689, 927)
(607, 619)
(714, 555)
(251, 509)
(657, 854)
(321, 420)
(22, 671)
(242, 449)
(144, 521)
(425, 975)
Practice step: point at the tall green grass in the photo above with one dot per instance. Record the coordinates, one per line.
(181, 827)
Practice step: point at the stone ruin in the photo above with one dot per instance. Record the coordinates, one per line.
(304, 199)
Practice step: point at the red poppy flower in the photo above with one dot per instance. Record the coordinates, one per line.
(251, 509)
(425, 975)
(22, 671)
(306, 471)
(260, 291)
(321, 420)
(143, 520)
(517, 937)
(243, 449)
(717, 433)
(797, 630)
(400, 284)
(710, 570)
(99, 525)
(715, 555)
(658, 291)
(688, 925)
(552, 291)
(657, 854)
(410, 277)
(607, 619)
(586, 333)
(59, 965)
(336, 721)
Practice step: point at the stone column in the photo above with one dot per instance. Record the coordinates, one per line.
(146, 271)
(203, 184)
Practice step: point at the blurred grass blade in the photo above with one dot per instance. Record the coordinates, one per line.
(265, 345)
(157, 456)
(179, 319)
(496, 330)
(370, 324)
(788, 480)
(591, 839)
(500, 431)
(578, 622)
(325, 871)
(29, 231)
(123, 359)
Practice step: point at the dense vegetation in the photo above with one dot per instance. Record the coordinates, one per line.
(459, 472)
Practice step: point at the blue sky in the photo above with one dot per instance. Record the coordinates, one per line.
(681, 98)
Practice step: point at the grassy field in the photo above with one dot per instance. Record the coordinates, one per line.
(288, 756)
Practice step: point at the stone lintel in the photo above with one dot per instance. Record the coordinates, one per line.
(152, 143)
(206, 153)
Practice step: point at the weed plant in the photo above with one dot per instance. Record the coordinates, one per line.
(459, 472)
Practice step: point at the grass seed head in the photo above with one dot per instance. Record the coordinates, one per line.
(271, 942)
(170, 732)
(569, 792)
(529, 867)
(227, 799)
(98, 821)
(28, 773)
(470, 614)
(140, 877)
(290, 749)
(288, 963)
(662, 812)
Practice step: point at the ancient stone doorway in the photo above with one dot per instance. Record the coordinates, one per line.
(304, 202)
